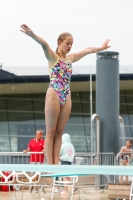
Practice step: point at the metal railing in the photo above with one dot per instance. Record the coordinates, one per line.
(21, 158)
(98, 181)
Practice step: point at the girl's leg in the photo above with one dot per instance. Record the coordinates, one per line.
(62, 120)
(52, 111)
(127, 180)
(121, 177)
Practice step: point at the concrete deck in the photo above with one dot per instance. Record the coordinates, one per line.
(90, 194)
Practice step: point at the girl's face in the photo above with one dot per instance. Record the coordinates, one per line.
(128, 144)
(66, 45)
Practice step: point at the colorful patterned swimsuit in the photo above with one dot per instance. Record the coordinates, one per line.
(126, 157)
(60, 76)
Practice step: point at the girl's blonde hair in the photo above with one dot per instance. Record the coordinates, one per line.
(61, 38)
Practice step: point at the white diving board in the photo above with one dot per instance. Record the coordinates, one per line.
(77, 170)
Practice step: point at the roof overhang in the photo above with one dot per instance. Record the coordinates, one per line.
(41, 87)
(14, 84)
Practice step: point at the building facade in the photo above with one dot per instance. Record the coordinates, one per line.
(22, 100)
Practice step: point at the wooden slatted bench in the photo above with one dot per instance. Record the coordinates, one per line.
(120, 191)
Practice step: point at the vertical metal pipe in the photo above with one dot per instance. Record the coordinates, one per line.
(95, 116)
(98, 135)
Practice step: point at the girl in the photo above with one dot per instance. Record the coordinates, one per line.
(58, 96)
(125, 156)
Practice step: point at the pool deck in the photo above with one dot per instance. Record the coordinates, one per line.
(89, 193)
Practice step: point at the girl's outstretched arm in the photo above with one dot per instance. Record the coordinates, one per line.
(50, 55)
(77, 56)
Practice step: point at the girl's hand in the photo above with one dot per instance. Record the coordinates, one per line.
(105, 45)
(25, 29)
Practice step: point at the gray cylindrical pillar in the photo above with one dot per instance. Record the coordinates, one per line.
(107, 99)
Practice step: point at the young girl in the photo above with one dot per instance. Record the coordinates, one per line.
(58, 96)
(125, 156)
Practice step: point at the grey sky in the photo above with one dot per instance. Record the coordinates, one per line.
(89, 21)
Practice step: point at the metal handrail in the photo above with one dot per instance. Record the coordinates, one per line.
(19, 153)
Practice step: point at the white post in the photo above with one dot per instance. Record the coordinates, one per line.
(91, 109)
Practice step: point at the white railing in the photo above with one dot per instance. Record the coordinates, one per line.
(79, 159)
(95, 159)
(20, 157)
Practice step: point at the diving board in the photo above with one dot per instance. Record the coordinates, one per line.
(70, 169)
